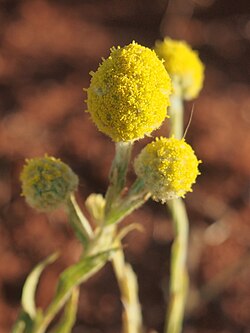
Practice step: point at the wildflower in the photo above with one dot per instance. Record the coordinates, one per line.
(168, 167)
(129, 93)
(183, 65)
(47, 182)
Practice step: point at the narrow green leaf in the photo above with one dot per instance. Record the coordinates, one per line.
(29, 288)
(79, 273)
(23, 324)
(67, 321)
(78, 221)
(69, 279)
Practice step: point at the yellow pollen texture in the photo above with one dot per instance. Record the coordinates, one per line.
(129, 93)
(168, 167)
(183, 65)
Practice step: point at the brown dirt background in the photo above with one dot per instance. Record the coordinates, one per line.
(47, 49)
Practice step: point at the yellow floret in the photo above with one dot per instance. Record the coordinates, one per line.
(129, 93)
(183, 65)
(168, 167)
(47, 182)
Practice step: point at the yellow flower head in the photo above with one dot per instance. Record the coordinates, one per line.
(47, 182)
(129, 93)
(168, 167)
(183, 65)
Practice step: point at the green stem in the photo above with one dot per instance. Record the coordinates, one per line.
(128, 285)
(84, 232)
(178, 270)
(176, 114)
(116, 209)
(69, 317)
(118, 173)
(135, 198)
(70, 279)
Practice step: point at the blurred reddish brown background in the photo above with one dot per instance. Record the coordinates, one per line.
(47, 49)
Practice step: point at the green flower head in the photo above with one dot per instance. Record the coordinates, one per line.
(47, 182)
(129, 93)
(168, 167)
(183, 65)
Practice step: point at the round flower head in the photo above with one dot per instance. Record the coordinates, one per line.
(168, 167)
(47, 183)
(129, 93)
(183, 65)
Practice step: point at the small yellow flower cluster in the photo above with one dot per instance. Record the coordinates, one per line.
(183, 65)
(168, 167)
(127, 99)
(47, 182)
(129, 93)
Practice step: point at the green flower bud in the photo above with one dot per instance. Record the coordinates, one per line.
(47, 182)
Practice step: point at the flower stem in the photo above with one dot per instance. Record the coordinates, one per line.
(118, 172)
(115, 210)
(135, 198)
(128, 285)
(178, 270)
(176, 113)
(178, 275)
(69, 279)
(68, 319)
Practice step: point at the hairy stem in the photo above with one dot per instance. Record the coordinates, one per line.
(118, 172)
(135, 198)
(176, 116)
(128, 285)
(178, 271)
(116, 209)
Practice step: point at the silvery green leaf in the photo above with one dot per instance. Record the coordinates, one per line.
(69, 279)
(29, 288)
